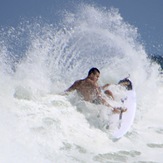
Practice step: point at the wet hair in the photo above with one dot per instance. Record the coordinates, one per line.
(93, 70)
(129, 86)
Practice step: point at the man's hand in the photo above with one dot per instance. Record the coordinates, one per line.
(119, 109)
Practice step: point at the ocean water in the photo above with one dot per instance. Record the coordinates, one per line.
(38, 61)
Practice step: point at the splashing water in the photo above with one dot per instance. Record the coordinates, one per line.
(40, 60)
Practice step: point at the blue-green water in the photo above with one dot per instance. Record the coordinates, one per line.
(158, 59)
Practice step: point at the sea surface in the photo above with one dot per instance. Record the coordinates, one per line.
(39, 61)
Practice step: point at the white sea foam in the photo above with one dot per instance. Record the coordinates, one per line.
(39, 125)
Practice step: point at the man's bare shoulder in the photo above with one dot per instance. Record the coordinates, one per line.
(75, 85)
(78, 82)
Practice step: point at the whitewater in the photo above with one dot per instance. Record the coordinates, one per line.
(39, 61)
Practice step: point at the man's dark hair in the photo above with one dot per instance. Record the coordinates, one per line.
(93, 70)
(129, 86)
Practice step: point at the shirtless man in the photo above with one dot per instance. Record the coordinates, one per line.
(88, 88)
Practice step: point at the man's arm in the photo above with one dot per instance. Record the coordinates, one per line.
(114, 109)
(107, 92)
(104, 86)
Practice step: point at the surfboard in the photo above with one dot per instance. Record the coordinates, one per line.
(125, 119)
(119, 124)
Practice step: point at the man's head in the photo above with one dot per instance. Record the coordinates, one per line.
(127, 83)
(94, 71)
(94, 74)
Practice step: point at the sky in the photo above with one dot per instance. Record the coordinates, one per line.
(145, 15)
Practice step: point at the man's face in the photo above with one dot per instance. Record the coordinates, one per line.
(95, 76)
